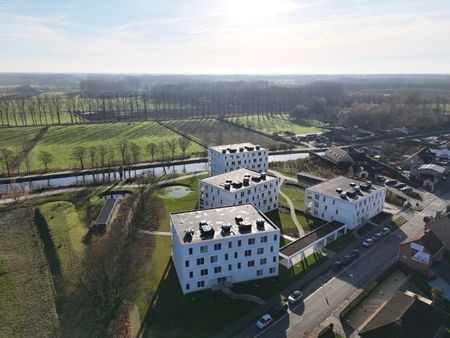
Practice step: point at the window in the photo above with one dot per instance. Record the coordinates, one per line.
(230, 245)
(190, 251)
(260, 251)
(271, 249)
(239, 243)
(203, 249)
(263, 261)
(191, 274)
(250, 264)
(203, 272)
(201, 284)
(324, 198)
(229, 267)
(235, 255)
(217, 246)
(251, 241)
(200, 261)
(213, 259)
(337, 211)
(247, 253)
(272, 270)
(226, 257)
(186, 264)
(316, 196)
(275, 237)
(187, 286)
(239, 265)
(264, 239)
(218, 269)
(259, 272)
(274, 259)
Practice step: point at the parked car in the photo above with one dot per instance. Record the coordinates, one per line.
(427, 218)
(377, 236)
(345, 260)
(385, 231)
(406, 190)
(264, 321)
(295, 297)
(400, 185)
(279, 309)
(337, 266)
(354, 254)
(368, 242)
(390, 182)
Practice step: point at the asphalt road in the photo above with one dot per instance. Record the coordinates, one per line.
(334, 294)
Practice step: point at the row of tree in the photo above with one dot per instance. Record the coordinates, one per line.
(104, 155)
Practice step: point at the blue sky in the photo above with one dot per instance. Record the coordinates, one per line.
(226, 36)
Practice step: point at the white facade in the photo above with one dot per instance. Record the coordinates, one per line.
(226, 158)
(348, 201)
(238, 187)
(206, 261)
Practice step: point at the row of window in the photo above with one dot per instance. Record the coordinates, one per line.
(218, 269)
(250, 241)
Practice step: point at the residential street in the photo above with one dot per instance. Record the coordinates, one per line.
(321, 302)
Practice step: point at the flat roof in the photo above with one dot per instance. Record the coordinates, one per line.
(346, 184)
(238, 176)
(433, 167)
(106, 211)
(301, 243)
(246, 146)
(215, 218)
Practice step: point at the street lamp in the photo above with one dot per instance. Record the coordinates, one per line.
(351, 275)
(324, 294)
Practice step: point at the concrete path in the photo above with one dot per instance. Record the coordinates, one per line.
(157, 233)
(283, 178)
(289, 238)
(243, 296)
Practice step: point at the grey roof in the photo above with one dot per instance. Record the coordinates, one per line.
(217, 217)
(246, 146)
(338, 155)
(340, 182)
(106, 211)
(433, 167)
(238, 176)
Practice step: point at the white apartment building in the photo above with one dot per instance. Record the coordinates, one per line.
(226, 158)
(221, 246)
(238, 187)
(345, 200)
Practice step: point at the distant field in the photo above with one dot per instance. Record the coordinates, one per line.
(272, 124)
(60, 140)
(12, 138)
(27, 306)
(215, 132)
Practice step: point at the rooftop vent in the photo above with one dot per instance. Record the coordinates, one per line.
(229, 181)
(226, 228)
(249, 148)
(188, 234)
(351, 194)
(238, 219)
(258, 147)
(263, 176)
(224, 151)
(241, 149)
(232, 150)
(246, 180)
(237, 184)
(260, 224)
(343, 195)
(245, 226)
(227, 186)
(206, 230)
(352, 184)
(256, 178)
(338, 190)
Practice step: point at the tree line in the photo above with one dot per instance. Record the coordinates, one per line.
(125, 154)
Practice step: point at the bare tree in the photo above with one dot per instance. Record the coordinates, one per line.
(93, 156)
(162, 150)
(152, 149)
(78, 154)
(7, 157)
(123, 150)
(45, 157)
(184, 144)
(135, 153)
(172, 145)
(103, 153)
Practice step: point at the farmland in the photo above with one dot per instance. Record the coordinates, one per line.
(60, 140)
(13, 138)
(27, 307)
(215, 132)
(270, 124)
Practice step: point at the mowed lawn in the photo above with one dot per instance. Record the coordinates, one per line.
(62, 232)
(295, 194)
(214, 132)
(59, 141)
(13, 138)
(27, 301)
(272, 124)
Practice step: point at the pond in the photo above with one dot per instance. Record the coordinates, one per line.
(176, 191)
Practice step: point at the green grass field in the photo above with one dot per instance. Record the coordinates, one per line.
(59, 141)
(215, 132)
(13, 138)
(66, 232)
(295, 194)
(273, 124)
(27, 306)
